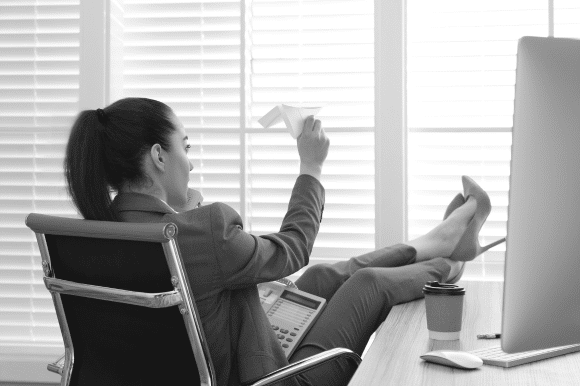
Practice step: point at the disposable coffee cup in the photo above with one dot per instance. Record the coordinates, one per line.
(444, 307)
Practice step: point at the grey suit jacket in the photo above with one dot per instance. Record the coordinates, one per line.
(224, 264)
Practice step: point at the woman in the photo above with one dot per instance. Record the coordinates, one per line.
(138, 148)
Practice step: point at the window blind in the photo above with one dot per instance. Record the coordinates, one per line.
(39, 45)
(461, 76)
(187, 55)
(314, 53)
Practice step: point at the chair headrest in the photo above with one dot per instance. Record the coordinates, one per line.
(153, 232)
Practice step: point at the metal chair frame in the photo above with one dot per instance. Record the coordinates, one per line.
(181, 295)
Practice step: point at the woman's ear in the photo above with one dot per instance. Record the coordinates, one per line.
(157, 159)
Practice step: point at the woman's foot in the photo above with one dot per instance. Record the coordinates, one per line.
(456, 267)
(455, 272)
(468, 247)
(442, 240)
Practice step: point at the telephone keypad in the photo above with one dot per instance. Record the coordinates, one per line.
(289, 319)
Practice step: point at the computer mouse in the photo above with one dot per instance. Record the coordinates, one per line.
(458, 359)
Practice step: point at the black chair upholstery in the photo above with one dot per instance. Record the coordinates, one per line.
(146, 337)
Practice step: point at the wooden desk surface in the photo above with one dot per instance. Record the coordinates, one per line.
(393, 358)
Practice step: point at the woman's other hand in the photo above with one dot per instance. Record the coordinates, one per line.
(312, 147)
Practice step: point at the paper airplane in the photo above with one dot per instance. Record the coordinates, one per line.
(293, 117)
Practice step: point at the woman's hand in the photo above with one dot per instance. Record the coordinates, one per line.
(313, 147)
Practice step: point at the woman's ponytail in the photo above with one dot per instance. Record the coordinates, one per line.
(106, 148)
(84, 167)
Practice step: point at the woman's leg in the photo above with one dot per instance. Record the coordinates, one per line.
(361, 292)
(357, 309)
(324, 279)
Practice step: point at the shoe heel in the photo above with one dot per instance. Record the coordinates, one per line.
(491, 245)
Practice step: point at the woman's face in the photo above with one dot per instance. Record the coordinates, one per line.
(177, 165)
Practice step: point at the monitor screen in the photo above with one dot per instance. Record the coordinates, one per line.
(541, 305)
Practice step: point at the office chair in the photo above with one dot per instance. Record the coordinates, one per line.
(125, 310)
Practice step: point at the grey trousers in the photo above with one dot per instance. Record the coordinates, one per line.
(360, 293)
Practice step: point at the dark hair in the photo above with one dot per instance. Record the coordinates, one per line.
(106, 148)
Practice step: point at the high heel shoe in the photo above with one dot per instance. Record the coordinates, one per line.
(468, 247)
(454, 204)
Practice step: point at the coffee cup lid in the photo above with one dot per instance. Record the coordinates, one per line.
(436, 288)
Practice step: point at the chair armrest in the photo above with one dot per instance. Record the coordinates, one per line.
(306, 364)
(57, 366)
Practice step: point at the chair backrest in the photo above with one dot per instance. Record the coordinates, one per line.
(123, 303)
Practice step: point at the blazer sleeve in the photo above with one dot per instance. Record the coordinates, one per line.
(246, 259)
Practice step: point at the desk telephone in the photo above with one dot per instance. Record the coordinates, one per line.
(291, 312)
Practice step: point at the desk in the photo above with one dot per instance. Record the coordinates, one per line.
(393, 358)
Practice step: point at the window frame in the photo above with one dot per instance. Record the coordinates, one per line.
(390, 117)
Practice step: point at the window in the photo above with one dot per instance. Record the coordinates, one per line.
(460, 82)
(221, 66)
(191, 55)
(304, 53)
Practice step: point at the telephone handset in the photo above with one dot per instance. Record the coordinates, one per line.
(287, 282)
(291, 312)
(194, 200)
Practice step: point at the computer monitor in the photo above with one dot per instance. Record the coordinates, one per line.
(541, 299)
